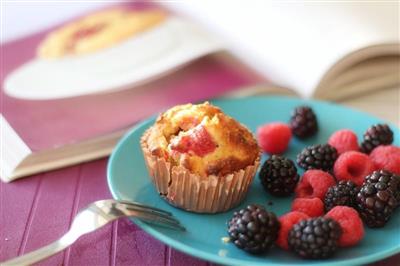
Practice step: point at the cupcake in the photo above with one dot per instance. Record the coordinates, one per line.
(200, 159)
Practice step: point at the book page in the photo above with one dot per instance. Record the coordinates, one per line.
(375, 73)
(383, 104)
(295, 44)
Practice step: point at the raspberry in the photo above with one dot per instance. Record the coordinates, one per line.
(199, 141)
(274, 137)
(351, 223)
(312, 207)
(287, 221)
(314, 183)
(344, 140)
(387, 158)
(354, 166)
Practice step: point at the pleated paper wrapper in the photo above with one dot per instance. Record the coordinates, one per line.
(194, 193)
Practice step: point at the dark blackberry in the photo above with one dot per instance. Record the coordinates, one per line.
(379, 134)
(320, 156)
(390, 179)
(253, 229)
(303, 122)
(315, 238)
(342, 194)
(375, 203)
(279, 176)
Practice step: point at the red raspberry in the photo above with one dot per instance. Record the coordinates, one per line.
(312, 207)
(354, 166)
(344, 140)
(287, 221)
(274, 137)
(351, 223)
(314, 183)
(387, 157)
(200, 142)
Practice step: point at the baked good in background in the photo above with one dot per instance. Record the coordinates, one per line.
(98, 31)
(200, 159)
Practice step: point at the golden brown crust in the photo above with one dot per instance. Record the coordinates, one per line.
(225, 166)
(203, 140)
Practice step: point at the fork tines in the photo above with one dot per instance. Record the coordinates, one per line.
(136, 204)
(153, 215)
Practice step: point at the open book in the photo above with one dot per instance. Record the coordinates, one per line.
(322, 50)
(326, 51)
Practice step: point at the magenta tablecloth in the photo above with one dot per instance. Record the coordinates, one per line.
(39, 209)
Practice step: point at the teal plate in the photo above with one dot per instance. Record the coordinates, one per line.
(128, 179)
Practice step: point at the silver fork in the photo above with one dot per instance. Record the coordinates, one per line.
(94, 216)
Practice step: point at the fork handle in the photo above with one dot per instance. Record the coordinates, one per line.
(41, 253)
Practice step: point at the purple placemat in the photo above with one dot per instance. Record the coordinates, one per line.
(39, 209)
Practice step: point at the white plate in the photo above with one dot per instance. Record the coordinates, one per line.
(134, 61)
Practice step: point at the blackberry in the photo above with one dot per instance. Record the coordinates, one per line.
(279, 176)
(379, 134)
(390, 179)
(320, 156)
(342, 194)
(375, 203)
(253, 229)
(315, 238)
(303, 122)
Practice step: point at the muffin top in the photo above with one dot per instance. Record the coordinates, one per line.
(202, 139)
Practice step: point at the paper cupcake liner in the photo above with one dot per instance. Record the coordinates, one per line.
(194, 193)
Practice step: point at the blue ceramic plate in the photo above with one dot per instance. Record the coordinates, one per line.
(128, 179)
